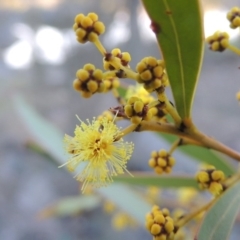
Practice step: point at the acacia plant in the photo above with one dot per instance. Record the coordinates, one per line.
(98, 155)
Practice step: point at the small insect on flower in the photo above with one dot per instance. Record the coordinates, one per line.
(95, 145)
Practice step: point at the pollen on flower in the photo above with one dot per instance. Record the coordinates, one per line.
(94, 144)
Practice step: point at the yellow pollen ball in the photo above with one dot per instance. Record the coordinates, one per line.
(215, 36)
(149, 224)
(86, 22)
(148, 116)
(155, 229)
(128, 110)
(81, 33)
(93, 16)
(107, 84)
(159, 218)
(98, 75)
(157, 83)
(215, 188)
(162, 162)
(77, 85)
(236, 22)
(92, 86)
(224, 43)
(165, 212)
(152, 163)
(224, 35)
(158, 71)
(116, 51)
(132, 100)
(169, 227)
(154, 154)
(79, 18)
(154, 111)
(99, 27)
(126, 56)
(89, 67)
(75, 26)
(141, 67)
(217, 175)
(82, 74)
(138, 106)
(163, 153)
(151, 61)
(203, 177)
(116, 83)
(146, 75)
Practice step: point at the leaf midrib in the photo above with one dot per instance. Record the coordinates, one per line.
(179, 57)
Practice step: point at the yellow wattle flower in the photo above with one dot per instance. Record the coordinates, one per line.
(94, 143)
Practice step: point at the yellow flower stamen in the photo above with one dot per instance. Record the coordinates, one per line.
(95, 143)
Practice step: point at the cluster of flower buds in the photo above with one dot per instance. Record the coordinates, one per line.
(89, 81)
(152, 73)
(124, 58)
(160, 224)
(211, 179)
(161, 161)
(219, 41)
(136, 110)
(88, 28)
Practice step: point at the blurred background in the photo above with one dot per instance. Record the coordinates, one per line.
(39, 57)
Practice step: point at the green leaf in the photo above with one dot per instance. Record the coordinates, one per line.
(148, 179)
(46, 135)
(127, 200)
(179, 31)
(219, 220)
(203, 155)
(70, 206)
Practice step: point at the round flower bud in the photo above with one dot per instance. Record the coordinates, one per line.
(82, 74)
(92, 86)
(79, 18)
(99, 28)
(93, 16)
(77, 85)
(211, 179)
(152, 163)
(155, 229)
